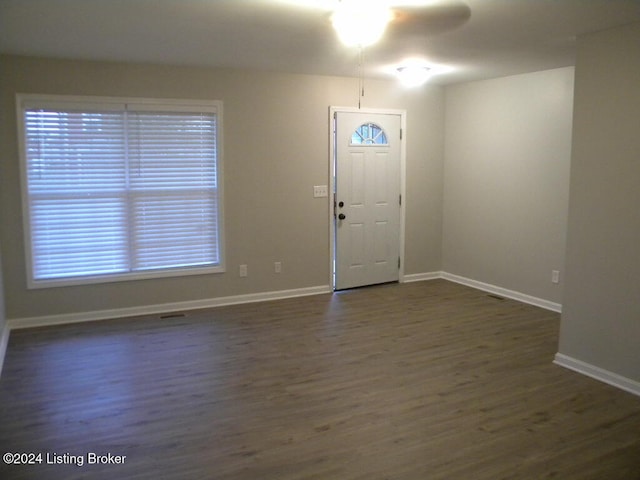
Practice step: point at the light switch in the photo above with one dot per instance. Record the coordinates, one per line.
(320, 191)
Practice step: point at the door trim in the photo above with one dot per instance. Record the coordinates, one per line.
(332, 187)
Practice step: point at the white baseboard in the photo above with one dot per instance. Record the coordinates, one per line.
(419, 277)
(49, 320)
(623, 383)
(486, 287)
(503, 292)
(4, 342)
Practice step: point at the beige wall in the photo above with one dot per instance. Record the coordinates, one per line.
(3, 318)
(601, 315)
(275, 149)
(507, 156)
(4, 329)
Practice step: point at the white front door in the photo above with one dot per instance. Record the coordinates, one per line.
(367, 198)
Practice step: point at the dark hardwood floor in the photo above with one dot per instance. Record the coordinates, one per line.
(428, 380)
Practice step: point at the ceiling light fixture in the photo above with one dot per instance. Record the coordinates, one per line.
(413, 75)
(360, 22)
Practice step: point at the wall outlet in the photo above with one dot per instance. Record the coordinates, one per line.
(277, 267)
(243, 271)
(555, 276)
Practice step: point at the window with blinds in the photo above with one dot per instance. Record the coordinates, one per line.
(120, 189)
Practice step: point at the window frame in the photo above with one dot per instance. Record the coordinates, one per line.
(25, 101)
(364, 143)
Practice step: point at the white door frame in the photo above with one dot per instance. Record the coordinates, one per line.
(332, 187)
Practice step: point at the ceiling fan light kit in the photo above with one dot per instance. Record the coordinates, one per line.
(360, 23)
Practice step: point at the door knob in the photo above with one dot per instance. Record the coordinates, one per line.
(342, 216)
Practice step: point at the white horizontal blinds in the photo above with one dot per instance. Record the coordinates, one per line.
(76, 183)
(118, 191)
(174, 201)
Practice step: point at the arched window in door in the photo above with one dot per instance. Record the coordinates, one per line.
(369, 134)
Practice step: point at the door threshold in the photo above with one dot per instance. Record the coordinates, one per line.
(336, 290)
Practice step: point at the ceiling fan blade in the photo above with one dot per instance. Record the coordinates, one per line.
(432, 19)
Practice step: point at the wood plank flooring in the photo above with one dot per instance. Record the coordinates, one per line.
(429, 380)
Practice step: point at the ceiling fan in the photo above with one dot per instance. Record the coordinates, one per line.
(363, 22)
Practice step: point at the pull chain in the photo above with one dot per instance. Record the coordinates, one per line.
(360, 76)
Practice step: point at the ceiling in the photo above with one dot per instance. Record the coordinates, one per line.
(463, 40)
